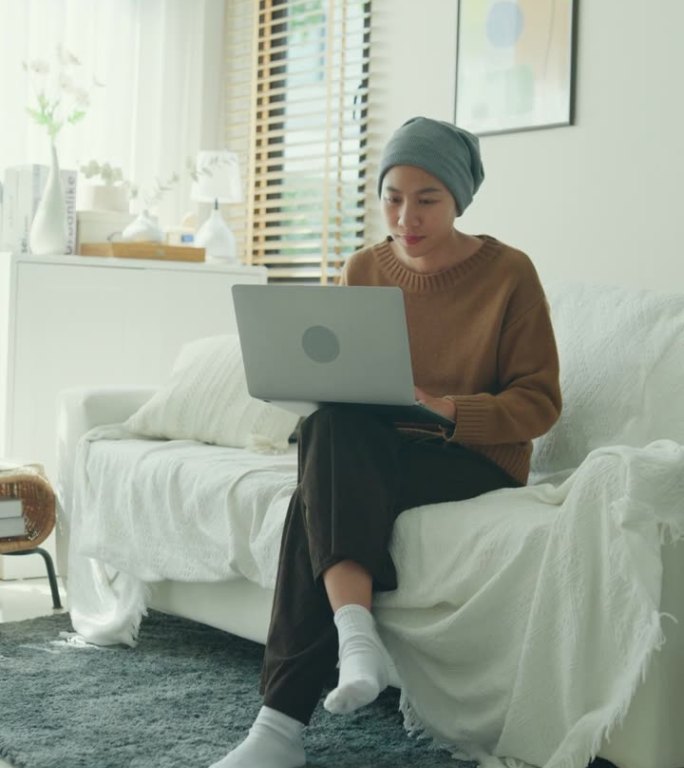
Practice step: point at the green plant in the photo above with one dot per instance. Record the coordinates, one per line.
(113, 176)
(108, 174)
(61, 98)
(152, 195)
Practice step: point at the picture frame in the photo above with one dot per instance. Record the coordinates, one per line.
(515, 65)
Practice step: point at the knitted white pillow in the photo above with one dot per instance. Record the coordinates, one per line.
(206, 399)
(621, 360)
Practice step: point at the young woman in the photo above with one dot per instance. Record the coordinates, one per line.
(483, 354)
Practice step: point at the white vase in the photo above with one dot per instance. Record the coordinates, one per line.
(48, 235)
(144, 228)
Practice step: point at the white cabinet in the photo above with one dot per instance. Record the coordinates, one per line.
(72, 321)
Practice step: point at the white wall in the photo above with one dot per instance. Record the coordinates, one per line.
(601, 200)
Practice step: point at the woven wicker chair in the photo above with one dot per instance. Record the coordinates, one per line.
(29, 484)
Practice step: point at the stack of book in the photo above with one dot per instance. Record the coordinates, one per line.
(23, 188)
(11, 519)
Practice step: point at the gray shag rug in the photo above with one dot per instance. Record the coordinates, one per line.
(180, 699)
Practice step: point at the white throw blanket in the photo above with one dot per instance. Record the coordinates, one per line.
(223, 514)
(537, 657)
(523, 621)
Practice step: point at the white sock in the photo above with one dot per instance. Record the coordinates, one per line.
(363, 661)
(274, 741)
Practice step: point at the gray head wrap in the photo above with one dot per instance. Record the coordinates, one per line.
(449, 153)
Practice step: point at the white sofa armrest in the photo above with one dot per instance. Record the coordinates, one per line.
(79, 411)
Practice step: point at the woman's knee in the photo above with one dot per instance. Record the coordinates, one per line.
(327, 415)
(338, 421)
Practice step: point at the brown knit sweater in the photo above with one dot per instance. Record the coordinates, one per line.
(481, 335)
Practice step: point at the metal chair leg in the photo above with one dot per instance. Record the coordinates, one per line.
(52, 578)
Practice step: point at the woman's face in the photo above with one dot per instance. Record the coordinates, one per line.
(419, 212)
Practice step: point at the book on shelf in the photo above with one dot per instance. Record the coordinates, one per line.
(11, 518)
(24, 185)
(69, 179)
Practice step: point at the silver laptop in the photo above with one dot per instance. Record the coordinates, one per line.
(305, 345)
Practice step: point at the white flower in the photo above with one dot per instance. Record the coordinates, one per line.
(39, 66)
(60, 98)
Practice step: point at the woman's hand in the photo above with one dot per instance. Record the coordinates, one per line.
(439, 404)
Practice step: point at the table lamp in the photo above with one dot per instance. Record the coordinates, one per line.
(218, 181)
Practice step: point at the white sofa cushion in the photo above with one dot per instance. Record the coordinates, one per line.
(621, 360)
(206, 399)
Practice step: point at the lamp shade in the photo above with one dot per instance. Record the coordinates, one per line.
(218, 177)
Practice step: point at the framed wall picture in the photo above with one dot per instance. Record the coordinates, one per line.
(515, 64)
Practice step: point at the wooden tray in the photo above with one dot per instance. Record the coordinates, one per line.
(143, 250)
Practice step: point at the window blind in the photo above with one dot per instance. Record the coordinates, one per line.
(297, 114)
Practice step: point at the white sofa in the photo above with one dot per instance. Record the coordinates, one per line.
(542, 579)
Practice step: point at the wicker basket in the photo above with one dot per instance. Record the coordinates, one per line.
(29, 484)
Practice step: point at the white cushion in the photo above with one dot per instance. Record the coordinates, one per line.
(206, 399)
(621, 363)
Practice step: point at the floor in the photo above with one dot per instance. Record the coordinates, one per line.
(29, 598)
(25, 599)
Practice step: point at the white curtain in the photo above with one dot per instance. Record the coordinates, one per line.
(159, 62)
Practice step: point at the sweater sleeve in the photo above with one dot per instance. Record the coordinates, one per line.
(529, 400)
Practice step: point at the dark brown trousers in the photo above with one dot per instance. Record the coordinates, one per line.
(356, 474)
